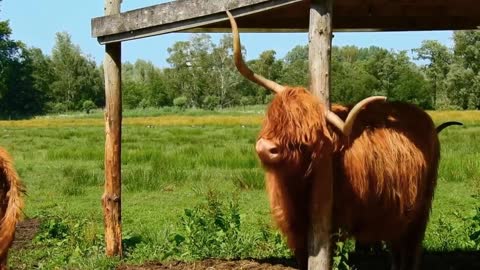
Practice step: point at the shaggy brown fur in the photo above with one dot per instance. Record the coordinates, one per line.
(384, 173)
(385, 167)
(11, 204)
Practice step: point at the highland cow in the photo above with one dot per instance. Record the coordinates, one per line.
(11, 204)
(385, 158)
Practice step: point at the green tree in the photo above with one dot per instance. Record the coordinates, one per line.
(350, 80)
(76, 77)
(267, 65)
(144, 85)
(43, 74)
(18, 95)
(225, 78)
(396, 76)
(200, 68)
(439, 58)
(463, 79)
(190, 61)
(295, 67)
(9, 55)
(463, 87)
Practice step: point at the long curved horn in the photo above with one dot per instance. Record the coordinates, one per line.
(242, 67)
(346, 127)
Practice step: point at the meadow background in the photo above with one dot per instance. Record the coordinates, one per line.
(192, 188)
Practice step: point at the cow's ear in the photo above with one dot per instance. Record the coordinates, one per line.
(335, 139)
(324, 142)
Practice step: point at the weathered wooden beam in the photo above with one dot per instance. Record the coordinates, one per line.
(410, 23)
(285, 16)
(174, 17)
(347, 23)
(112, 197)
(320, 44)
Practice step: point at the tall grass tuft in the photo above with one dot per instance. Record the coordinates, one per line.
(249, 179)
(76, 179)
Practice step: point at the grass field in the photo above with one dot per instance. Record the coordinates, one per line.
(191, 176)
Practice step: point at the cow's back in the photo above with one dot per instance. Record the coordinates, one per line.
(386, 171)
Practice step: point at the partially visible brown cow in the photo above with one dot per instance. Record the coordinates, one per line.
(11, 204)
(385, 158)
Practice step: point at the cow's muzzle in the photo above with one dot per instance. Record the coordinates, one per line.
(268, 151)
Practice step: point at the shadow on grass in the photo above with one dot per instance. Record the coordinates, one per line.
(455, 260)
(460, 260)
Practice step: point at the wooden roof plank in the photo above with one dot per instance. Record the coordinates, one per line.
(174, 17)
(286, 16)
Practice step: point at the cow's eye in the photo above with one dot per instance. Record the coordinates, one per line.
(298, 147)
(304, 148)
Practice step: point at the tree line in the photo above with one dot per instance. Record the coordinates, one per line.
(201, 74)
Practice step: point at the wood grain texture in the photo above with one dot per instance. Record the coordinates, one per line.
(285, 16)
(112, 197)
(177, 16)
(320, 44)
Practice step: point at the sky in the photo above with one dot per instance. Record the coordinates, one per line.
(35, 22)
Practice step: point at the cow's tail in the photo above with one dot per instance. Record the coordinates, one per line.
(447, 124)
(11, 200)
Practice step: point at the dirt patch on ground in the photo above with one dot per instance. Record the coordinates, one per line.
(213, 264)
(437, 261)
(25, 232)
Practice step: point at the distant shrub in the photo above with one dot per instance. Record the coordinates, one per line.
(87, 106)
(180, 102)
(269, 98)
(211, 102)
(246, 100)
(59, 108)
(144, 103)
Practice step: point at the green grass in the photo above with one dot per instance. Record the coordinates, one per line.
(170, 166)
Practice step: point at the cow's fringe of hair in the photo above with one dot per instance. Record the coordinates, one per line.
(286, 209)
(296, 119)
(11, 200)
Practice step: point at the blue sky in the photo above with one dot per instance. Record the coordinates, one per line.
(35, 22)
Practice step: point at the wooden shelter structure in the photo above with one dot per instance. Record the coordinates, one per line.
(317, 17)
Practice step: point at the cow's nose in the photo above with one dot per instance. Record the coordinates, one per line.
(267, 150)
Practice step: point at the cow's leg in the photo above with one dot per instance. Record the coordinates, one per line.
(298, 242)
(412, 251)
(3, 262)
(301, 254)
(413, 240)
(406, 253)
(397, 254)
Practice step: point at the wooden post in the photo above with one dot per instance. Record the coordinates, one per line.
(111, 199)
(320, 44)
